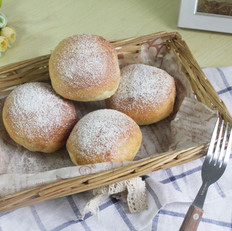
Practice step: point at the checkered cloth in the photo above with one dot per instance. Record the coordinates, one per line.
(169, 194)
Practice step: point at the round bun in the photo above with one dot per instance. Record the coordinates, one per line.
(145, 93)
(104, 135)
(38, 119)
(84, 68)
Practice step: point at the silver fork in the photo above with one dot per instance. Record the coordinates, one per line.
(213, 167)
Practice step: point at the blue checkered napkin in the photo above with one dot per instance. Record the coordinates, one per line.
(169, 194)
(221, 79)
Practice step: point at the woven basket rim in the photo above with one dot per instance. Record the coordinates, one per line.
(174, 41)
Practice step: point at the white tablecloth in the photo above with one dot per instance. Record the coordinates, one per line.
(169, 194)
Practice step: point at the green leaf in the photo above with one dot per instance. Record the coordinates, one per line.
(0, 3)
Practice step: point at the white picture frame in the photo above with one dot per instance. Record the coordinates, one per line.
(190, 18)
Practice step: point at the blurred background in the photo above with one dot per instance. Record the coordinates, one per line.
(41, 25)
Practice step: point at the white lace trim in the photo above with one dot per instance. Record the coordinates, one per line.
(132, 191)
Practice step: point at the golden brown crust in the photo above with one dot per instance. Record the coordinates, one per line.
(84, 68)
(144, 110)
(38, 138)
(121, 142)
(131, 149)
(148, 115)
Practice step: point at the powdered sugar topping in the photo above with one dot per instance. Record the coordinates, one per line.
(36, 110)
(81, 62)
(142, 85)
(102, 132)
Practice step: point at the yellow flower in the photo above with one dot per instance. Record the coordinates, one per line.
(9, 33)
(3, 43)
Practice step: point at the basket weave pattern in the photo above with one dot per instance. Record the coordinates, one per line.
(36, 69)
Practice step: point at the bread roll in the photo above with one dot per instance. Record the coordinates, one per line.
(104, 135)
(84, 68)
(145, 93)
(37, 118)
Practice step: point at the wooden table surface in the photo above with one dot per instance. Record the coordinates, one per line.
(42, 24)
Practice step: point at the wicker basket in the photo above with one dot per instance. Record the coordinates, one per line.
(36, 69)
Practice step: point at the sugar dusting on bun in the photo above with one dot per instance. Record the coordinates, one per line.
(84, 68)
(37, 118)
(145, 93)
(104, 135)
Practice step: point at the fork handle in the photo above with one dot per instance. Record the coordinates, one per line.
(192, 219)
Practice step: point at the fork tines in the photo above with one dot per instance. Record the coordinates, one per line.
(220, 144)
